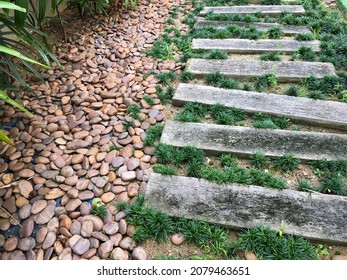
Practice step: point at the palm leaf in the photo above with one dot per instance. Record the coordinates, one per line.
(42, 11)
(11, 6)
(20, 56)
(8, 100)
(4, 138)
(19, 16)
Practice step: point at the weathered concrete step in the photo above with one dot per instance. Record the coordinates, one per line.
(315, 216)
(267, 10)
(286, 71)
(260, 26)
(245, 46)
(304, 110)
(244, 141)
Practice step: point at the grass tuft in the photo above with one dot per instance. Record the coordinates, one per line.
(186, 76)
(304, 53)
(99, 210)
(165, 170)
(269, 245)
(266, 81)
(275, 33)
(214, 78)
(153, 134)
(304, 37)
(216, 54)
(260, 161)
(270, 57)
(292, 91)
(334, 184)
(286, 163)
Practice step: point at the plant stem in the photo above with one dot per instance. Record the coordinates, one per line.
(34, 10)
(3, 209)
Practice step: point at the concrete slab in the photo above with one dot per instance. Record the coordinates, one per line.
(260, 26)
(314, 216)
(324, 113)
(267, 10)
(286, 71)
(245, 46)
(245, 141)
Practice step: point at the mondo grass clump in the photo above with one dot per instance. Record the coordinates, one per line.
(331, 166)
(260, 161)
(292, 91)
(153, 134)
(214, 78)
(192, 112)
(286, 163)
(223, 115)
(306, 186)
(270, 57)
(152, 224)
(220, 114)
(304, 37)
(230, 171)
(216, 54)
(133, 111)
(304, 53)
(271, 2)
(186, 76)
(165, 170)
(165, 94)
(196, 112)
(217, 79)
(334, 184)
(275, 33)
(167, 154)
(329, 85)
(99, 210)
(166, 78)
(149, 100)
(266, 121)
(266, 81)
(229, 84)
(270, 245)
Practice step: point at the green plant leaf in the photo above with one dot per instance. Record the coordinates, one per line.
(20, 56)
(19, 16)
(11, 6)
(7, 99)
(4, 138)
(42, 10)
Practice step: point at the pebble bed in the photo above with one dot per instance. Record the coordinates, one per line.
(62, 160)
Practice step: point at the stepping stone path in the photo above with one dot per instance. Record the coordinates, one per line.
(243, 206)
(310, 215)
(325, 113)
(77, 146)
(260, 26)
(286, 71)
(244, 141)
(245, 46)
(270, 10)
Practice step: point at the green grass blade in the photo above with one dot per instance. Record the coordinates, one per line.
(11, 6)
(20, 56)
(7, 99)
(4, 138)
(19, 16)
(42, 11)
